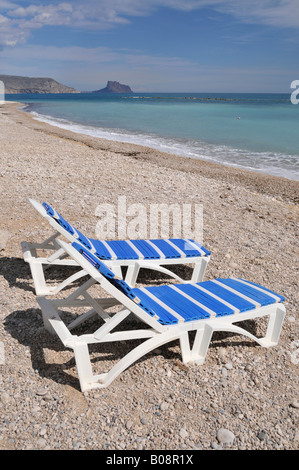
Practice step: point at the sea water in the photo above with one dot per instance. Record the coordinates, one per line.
(257, 132)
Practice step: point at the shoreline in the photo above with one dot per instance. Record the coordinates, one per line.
(250, 227)
(224, 155)
(269, 184)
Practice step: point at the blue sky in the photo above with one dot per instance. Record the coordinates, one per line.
(154, 45)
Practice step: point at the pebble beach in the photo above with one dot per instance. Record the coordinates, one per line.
(244, 397)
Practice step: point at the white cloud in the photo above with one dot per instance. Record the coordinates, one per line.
(281, 13)
(10, 33)
(5, 5)
(35, 10)
(17, 21)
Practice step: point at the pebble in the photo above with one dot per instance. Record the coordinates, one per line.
(262, 435)
(164, 406)
(228, 365)
(183, 433)
(291, 319)
(5, 398)
(224, 372)
(41, 392)
(216, 446)
(41, 443)
(295, 404)
(233, 265)
(225, 436)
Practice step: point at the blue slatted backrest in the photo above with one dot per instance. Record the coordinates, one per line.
(110, 276)
(68, 227)
(58, 217)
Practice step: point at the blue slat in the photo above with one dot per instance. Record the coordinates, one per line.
(122, 249)
(146, 249)
(84, 240)
(202, 247)
(241, 304)
(189, 250)
(94, 261)
(119, 283)
(251, 292)
(264, 288)
(219, 308)
(60, 220)
(65, 224)
(49, 209)
(101, 251)
(165, 318)
(166, 248)
(184, 307)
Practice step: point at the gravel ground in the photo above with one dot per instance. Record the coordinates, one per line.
(244, 397)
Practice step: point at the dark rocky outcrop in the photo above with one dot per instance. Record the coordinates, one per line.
(114, 87)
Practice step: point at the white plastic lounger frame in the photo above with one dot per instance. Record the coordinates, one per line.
(156, 332)
(39, 264)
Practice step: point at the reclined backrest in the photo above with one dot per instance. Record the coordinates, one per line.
(111, 277)
(172, 248)
(67, 226)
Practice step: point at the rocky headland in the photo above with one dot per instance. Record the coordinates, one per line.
(114, 87)
(21, 85)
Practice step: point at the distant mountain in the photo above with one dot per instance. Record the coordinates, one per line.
(15, 84)
(114, 87)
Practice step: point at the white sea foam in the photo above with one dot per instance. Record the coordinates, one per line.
(274, 163)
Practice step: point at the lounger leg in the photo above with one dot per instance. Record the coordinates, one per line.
(274, 327)
(132, 274)
(201, 344)
(38, 277)
(83, 364)
(89, 381)
(199, 271)
(138, 352)
(185, 347)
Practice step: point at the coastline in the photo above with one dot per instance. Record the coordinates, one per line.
(265, 183)
(250, 224)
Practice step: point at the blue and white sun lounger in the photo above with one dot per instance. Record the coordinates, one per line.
(166, 313)
(133, 254)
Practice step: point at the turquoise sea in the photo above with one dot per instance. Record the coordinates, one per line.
(258, 132)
